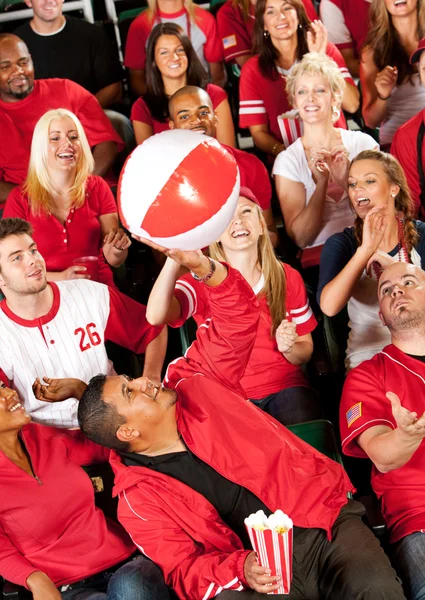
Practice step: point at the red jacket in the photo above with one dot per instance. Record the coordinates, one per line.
(52, 525)
(176, 526)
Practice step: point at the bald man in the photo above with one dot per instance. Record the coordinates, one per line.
(23, 101)
(382, 416)
(191, 108)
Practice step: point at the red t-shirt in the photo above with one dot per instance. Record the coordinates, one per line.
(253, 174)
(202, 33)
(79, 236)
(403, 147)
(267, 371)
(346, 22)
(236, 32)
(140, 111)
(263, 99)
(364, 405)
(18, 119)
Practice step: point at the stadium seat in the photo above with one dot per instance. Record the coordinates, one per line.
(319, 434)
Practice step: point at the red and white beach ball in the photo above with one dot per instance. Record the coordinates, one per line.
(179, 189)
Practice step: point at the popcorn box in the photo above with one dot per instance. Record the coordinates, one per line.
(272, 541)
(290, 127)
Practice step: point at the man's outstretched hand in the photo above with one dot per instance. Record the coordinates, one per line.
(57, 390)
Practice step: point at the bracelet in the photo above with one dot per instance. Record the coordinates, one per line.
(274, 147)
(381, 98)
(208, 276)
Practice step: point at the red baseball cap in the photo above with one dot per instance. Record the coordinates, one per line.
(417, 53)
(247, 193)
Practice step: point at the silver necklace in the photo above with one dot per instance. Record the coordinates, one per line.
(164, 450)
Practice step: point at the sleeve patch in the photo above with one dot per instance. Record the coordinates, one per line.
(229, 41)
(354, 413)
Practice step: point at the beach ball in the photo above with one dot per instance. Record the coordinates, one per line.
(179, 189)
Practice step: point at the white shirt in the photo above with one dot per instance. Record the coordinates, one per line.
(292, 164)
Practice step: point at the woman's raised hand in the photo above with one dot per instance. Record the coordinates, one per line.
(339, 166)
(317, 38)
(374, 227)
(118, 239)
(386, 81)
(319, 164)
(383, 259)
(191, 259)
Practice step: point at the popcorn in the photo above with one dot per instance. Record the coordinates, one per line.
(271, 538)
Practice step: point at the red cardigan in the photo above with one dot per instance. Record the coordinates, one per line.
(52, 525)
(176, 526)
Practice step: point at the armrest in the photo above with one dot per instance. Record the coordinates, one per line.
(11, 591)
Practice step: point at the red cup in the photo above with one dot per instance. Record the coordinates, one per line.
(91, 263)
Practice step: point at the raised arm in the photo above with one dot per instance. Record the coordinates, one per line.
(163, 306)
(376, 88)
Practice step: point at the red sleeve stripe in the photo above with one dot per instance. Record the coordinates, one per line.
(190, 294)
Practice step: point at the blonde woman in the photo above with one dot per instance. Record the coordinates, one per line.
(391, 87)
(273, 379)
(352, 260)
(73, 213)
(311, 175)
(199, 26)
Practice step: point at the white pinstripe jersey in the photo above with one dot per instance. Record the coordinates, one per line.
(67, 342)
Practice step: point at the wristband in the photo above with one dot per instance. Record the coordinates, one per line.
(208, 276)
(381, 98)
(274, 148)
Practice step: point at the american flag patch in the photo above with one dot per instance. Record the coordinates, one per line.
(354, 413)
(229, 41)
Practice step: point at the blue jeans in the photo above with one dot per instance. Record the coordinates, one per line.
(409, 560)
(137, 579)
(292, 405)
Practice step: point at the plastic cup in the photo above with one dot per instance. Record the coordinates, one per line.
(91, 263)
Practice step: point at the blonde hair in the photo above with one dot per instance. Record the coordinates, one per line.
(38, 186)
(188, 4)
(314, 63)
(403, 201)
(274, 275)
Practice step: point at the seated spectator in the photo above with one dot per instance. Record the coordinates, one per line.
(59, 545)
(73, 213)
(191, 108)
(273, 379)
(198, 24)
(235, 22)
(311, 175)
(171, 64)
(71, 48)
(382, 417)
(408, 147)
(59, 329)
(282, 35)
(347, 22)
(201, 443)
(383, 233)
(23, 101)
(391, 88)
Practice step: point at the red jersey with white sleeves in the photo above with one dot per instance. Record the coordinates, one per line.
(267, 370)
(404, 148)
(18, 119)
(79, 236)
(175, 525)
(235, 29)
(141, 112)
(69, 342)
(364, 405)
(52, 525)
(202, 33)
(263, 99)
(346, 22)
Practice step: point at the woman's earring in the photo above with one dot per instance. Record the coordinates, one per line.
(300, 26)
(335, 113)
(393, 195)
(266, 33)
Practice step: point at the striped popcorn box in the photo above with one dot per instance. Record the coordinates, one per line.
(290, 127)
(271, 538)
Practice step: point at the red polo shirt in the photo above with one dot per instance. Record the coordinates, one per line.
(364, 405)
(79, 236)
